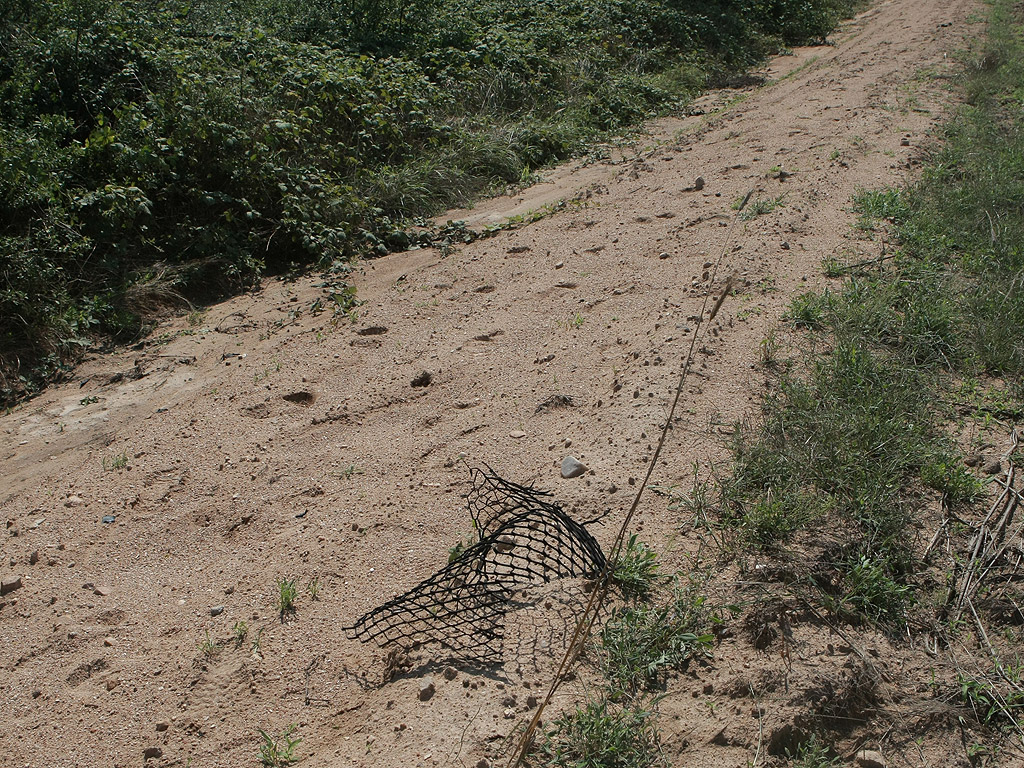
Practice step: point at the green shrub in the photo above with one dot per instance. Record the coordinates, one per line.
(154, 153)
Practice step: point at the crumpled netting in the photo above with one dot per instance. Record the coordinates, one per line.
(525, 540)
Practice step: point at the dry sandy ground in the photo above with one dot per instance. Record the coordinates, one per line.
(264, 441)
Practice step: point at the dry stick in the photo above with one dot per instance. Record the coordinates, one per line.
(988, 543)
(598, 594)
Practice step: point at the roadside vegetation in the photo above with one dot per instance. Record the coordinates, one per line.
(154, 154)
(868, 493)
(871, 479)
(659, 625)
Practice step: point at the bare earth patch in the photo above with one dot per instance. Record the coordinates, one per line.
(152, 503)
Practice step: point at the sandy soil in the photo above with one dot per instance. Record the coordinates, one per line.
(262, 440)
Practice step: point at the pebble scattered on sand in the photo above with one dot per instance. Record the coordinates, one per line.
(572, 467)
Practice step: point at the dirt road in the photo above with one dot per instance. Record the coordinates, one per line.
(152, 502)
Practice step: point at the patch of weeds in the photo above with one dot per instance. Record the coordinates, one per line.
(998, 701)
(758, 207)
(947, 475)
(287, 593)
(639, 642)
(871, 593)
(770, 522)
(768, 350)
(89, 400)
(814, 753)
(603, 734)
(833, 267)
(276, 751)
(698, 502)
(881, 204)
(636, 569)
(838, 446)
(807, 311)
(350, 471)
(748, 312)
(110, 463)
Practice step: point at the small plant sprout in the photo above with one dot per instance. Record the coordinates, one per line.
(636, 570)
(313, 588)
(120, 461)
(287, 592)
(209, 647)
(240, 630)
(276, 751)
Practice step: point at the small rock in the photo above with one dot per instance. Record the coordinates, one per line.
(450, 673)
(504, 543)
(973, 460)
(162, 726)
(423, 379)
(517, 434)
(112, 684)
(993, 467)
(152, 753)
(904, 142)
(109, 518)
(483, 762)
(698, 184)
(34, 557)
(9, 585)
(869, 758)
(663, 255)
(531, 701)
(426, 689)
(109, 642)
(36, 693)
(572, 467)
(101, 591)
(217, 610)
(73, 501)
(559, 265)
(785, 245)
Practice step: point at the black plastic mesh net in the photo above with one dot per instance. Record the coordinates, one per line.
(525, 539)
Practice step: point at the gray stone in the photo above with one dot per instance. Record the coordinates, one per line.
(9, 585)
(869, 758)
(572, 467)
(217, 610)
(426, 688)
(450, 673)
(163, 725)
(152, 753)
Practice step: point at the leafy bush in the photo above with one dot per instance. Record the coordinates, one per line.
(154, 153)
